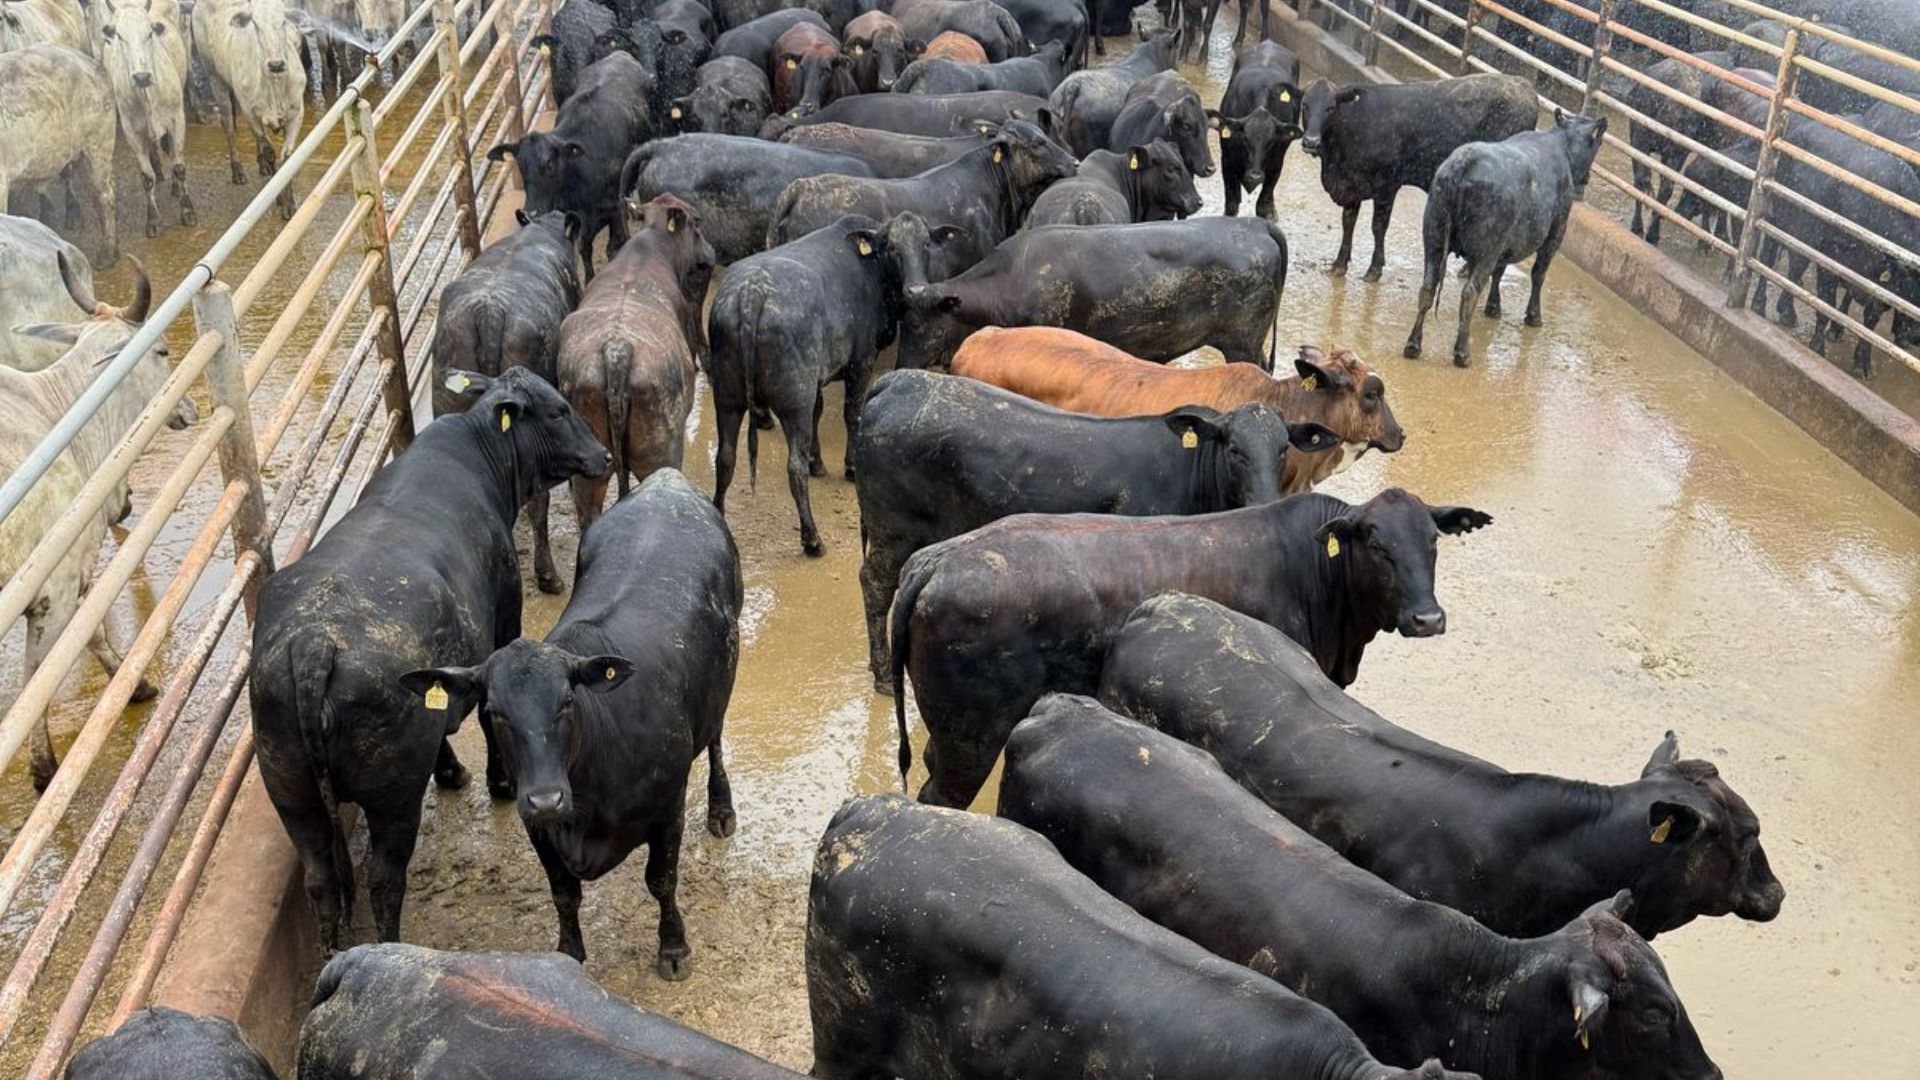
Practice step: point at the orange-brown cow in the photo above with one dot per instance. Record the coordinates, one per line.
(1071, 371)
(955, 45)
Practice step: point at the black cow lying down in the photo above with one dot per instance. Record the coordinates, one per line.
(988, 621)
(403, 1011)
(942, 944)
(167, 1044)
(607, 715)
(1157, 290)
(940, 455)
(1155, 823)
(1523, 853)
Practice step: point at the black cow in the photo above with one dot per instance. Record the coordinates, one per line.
(939, 455)
(1155, 822)
(808, 70)
(166, 1044)
(1494, 204)
(572, 42)
(1694, 84)
(880, 49)
(937, 115)
(1521, 852)
(987, 621)
(1037, 74)
(891, 153)
(790, 320)
(1258, 119)
(1045, 21)
(642, 41)
(1164, 106)
(400, 1010)
(946, 944)
(734, 182)
(1087, 102)
(1147, 183)
(986, 193)
(576, 166)
(730, 97)
(1374, 140)
(505, 310)
(421, 572)
(604, 719)
(753, 41)
(986, 22)
(1157, 290)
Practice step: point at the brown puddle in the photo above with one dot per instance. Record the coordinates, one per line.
(1668, 552)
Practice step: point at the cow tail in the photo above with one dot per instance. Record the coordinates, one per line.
(752, 317)
(636, 161)
(491, 325)
(309, 665)
(913, 578)
(1437, 227)
(616, 366)
(1279, 290)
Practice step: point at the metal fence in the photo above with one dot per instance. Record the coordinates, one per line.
(415, 194)
(1773, 216)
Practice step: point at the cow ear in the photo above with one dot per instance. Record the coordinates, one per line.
(599, 673)
(1673, 822)
(676, 219)
(573, 225)
(1351, 93)
(503, 151)
(1559, 116)
(1599, 130)
(1214, 119)
(1048, 120)
(1311, 438)
(446, 692)
(1665, 757)
(1337, 535)
(60, 333)
(1454, 520)
(914, 46)
(1137, 158)
(864, 242)
(520, 215)
(1588, 988)
(1195, 424)
(468, 384)
(1315, 373)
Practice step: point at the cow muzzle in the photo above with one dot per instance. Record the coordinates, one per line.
(547, 805)
(1424, 624)
(143, 79)
(1311, 144)
(277, 67)
(1762, 904)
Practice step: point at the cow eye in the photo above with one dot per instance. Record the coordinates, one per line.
(1653, 1016)
(159, 29)
(107, 32)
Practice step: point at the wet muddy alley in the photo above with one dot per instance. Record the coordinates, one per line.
(1667, 552)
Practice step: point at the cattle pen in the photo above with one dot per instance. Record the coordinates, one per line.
(1685, 544)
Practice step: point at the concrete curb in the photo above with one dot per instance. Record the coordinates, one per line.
(1878, 440)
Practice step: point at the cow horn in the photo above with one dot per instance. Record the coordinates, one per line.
(136, 312)
(81, 293)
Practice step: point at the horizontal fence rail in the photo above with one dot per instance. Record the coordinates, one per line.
(1581, 55)
(396, 195)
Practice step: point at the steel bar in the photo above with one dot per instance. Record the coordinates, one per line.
(301, 302)
(1372, 52)
(289, 236)
(1526, 59)
(293, 402)
(1665, 211)
(1847, 127)
(396, 152)
(239, 451)
(381, 294)
(1472, 24)
(467, 224)
(1602, 49)
(1833, 314)
(1732, 34)
(1757, 203)
(1834, 220)
(403, 84)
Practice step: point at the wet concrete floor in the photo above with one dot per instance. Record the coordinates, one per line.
(1668, 552)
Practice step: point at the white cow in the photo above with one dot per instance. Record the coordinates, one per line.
(30, 289)
(145, 53)
(42, 22)
(252, 49)
(57, 120)
(30, 404)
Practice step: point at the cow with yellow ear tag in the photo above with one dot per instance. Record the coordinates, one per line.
(1143, 183)
(1257, 121)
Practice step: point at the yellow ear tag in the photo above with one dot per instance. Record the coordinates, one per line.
(857, 50)
(865, 248)
(1886, 276)
(1310, 382)
(673, 224)
(1189, 440)
(1333, 546)
(1285, 97)
(458, 383)
(1662, 831)
(1584, 1045)
(997, 155)
(611, 674)
(1133, 163)
(792, 63)
(546, 50)
(506, 421)
(674, 112)
(1225, 134)
(436, 696)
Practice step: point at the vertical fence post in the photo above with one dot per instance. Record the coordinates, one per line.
(1303, 8)
(454, 105)
(1374, 21)
(1758, 201)
(1466, 37)
(505, 24)
(239, 452)
(381, 293)
(1602, 48)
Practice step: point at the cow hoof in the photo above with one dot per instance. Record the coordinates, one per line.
(239, 175)
(1461, 360)
(452, 779)
(814, 548)
(1338, 269)
(816, 469)
(675, 967)
(549, 582)
(883, 686)
(1535, 321)
(1372, 274)
(499, 789)
(722, 822)
(1411, 352)
(153, 229)
(43, 776)
(144, 691)
(189, 217)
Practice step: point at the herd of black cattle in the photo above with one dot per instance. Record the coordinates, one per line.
(1222, 867)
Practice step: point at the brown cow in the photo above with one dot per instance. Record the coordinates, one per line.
(955, 45)
(627, 353)
(808, 70)
(1074, 372)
